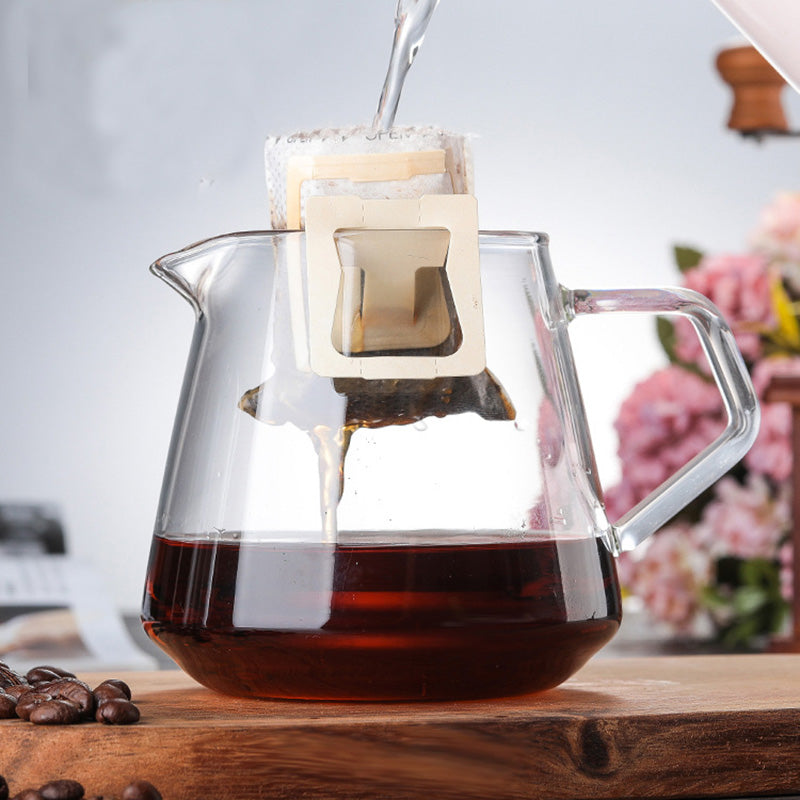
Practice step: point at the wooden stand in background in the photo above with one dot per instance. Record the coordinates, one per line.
(756, 85)
(786, 389)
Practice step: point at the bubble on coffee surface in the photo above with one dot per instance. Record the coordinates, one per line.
(411, 21)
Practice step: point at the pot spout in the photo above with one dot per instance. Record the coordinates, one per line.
(190, 271)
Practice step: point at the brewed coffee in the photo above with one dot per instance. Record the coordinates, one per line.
(464, 619)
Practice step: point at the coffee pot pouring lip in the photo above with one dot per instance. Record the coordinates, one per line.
(191, 269)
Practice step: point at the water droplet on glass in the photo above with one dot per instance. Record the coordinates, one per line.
(421, 426)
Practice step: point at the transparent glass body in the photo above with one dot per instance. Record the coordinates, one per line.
(396, 539)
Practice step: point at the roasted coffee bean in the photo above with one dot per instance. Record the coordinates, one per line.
(62, 790)
(73, 691)
(65, 789)
(28, 701)
(46, 673)
(107, 691)
(117, 711)
(121, 685)
(8, 677)
(54, 712)
(8, 705)
(60, 671)
(41, 675)
(17, 690)
(141, 790)
(47, 683)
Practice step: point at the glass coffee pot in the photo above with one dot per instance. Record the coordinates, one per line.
(381, 484)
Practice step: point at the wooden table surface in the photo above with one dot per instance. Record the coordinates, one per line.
(683, 726)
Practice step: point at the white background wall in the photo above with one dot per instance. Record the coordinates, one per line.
(129, 128)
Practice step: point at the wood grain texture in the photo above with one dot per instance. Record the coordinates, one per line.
(685, 726)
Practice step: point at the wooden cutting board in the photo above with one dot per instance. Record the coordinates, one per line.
(684, 726)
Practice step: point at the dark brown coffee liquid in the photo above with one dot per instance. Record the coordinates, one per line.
(339, 622)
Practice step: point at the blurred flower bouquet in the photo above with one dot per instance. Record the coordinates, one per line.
(725, 562)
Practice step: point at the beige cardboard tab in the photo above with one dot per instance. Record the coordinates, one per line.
(398, 303)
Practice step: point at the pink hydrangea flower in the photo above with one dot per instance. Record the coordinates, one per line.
(739, 285)
(666, 421)
(669, 575)
(674, 414)
(538, 518)
(620, 499)
(744, 520)
(626, 569)
(778, 231)
(771, 453)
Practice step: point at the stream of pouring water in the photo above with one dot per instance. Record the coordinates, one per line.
(410, 23)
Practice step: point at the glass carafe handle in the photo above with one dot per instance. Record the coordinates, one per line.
(732, 378)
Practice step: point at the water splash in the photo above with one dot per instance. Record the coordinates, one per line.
(410, 24)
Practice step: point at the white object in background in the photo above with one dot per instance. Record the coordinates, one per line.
(65, 617)
(773, 26)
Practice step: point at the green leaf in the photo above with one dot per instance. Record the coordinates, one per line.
(665, 330)
(715, 600)
(687, 258)
(778, 613)
(746, 593)
(740, 633)
(757, 571)
(749, 599)
(666, 335)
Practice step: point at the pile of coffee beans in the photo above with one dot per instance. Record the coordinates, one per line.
(49, 695)
(72, 790)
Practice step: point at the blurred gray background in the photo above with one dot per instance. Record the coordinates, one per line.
(130, 128)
